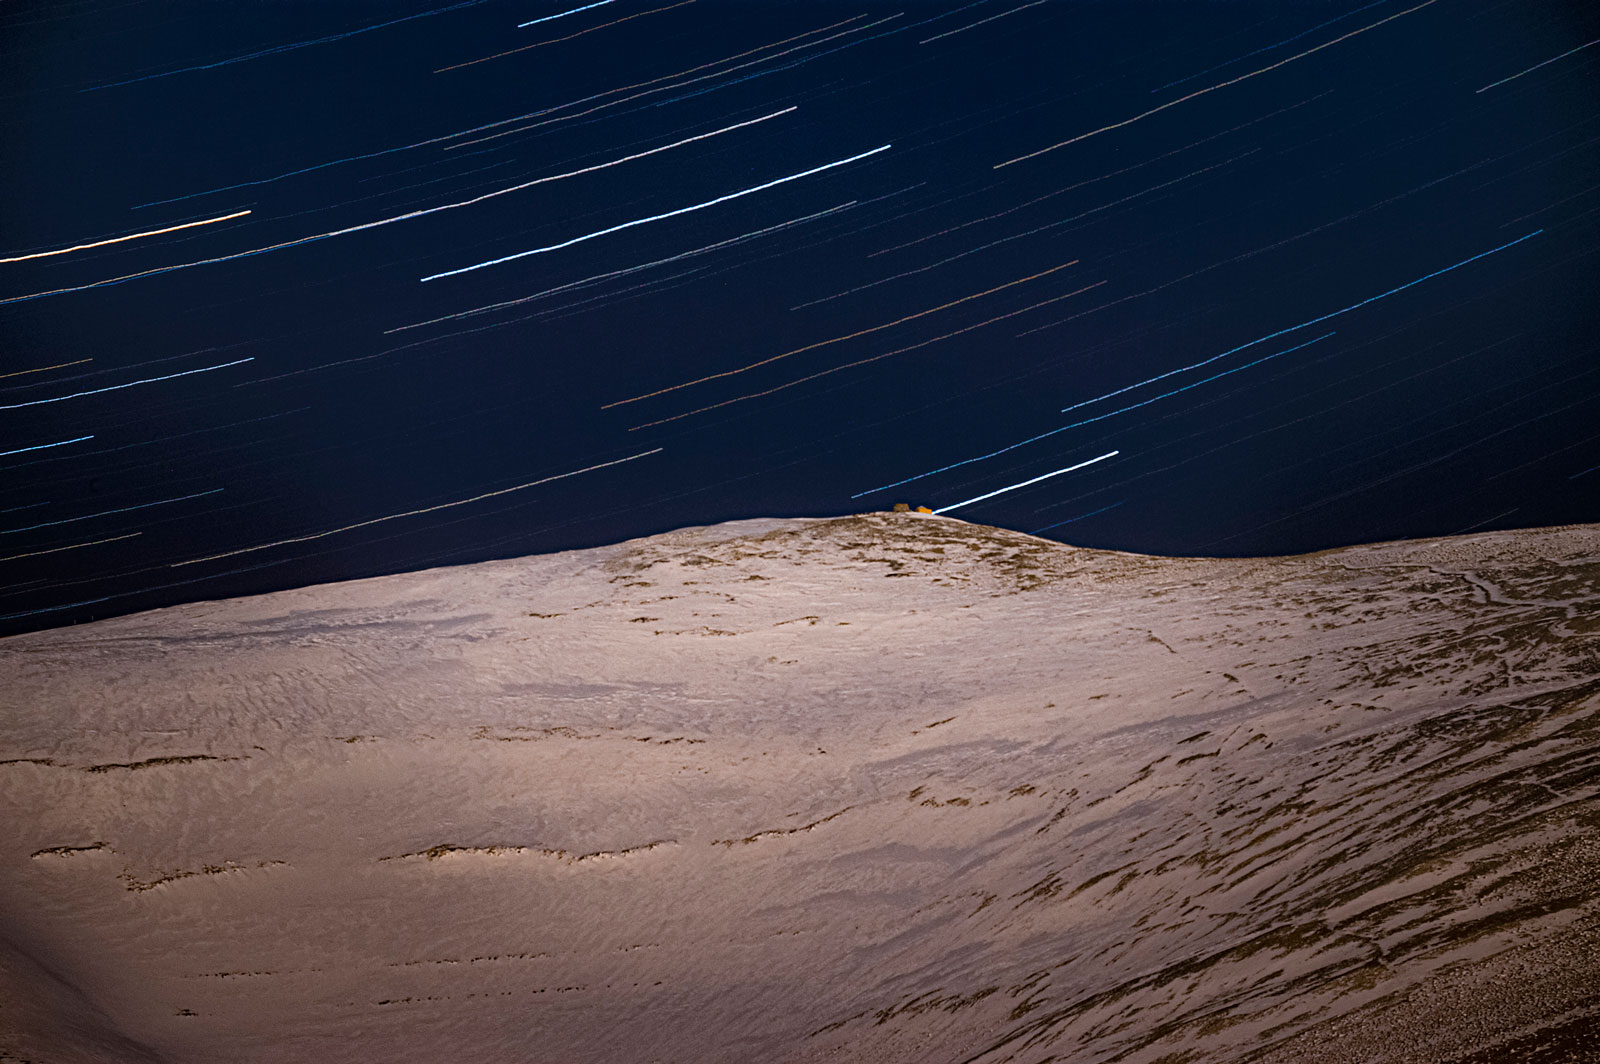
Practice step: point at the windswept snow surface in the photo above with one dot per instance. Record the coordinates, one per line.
(884, 788)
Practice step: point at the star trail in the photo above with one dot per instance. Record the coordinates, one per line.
(290, 294)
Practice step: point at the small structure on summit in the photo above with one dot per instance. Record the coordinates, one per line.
(905, 507)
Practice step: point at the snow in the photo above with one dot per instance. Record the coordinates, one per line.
(885, 788)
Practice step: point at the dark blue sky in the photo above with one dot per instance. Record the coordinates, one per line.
(1317, 273)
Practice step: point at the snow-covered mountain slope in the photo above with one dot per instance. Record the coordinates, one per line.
(884, 788)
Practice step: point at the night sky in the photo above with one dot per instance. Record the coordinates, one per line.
(1274, 276)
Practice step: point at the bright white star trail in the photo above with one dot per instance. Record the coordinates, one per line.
(658, 217)
(406, 217)
(1025, 483)
(730, 242)
(563, 14)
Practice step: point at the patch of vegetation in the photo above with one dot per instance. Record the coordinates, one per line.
(152, 762)
(68, 851)
(782, 831)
